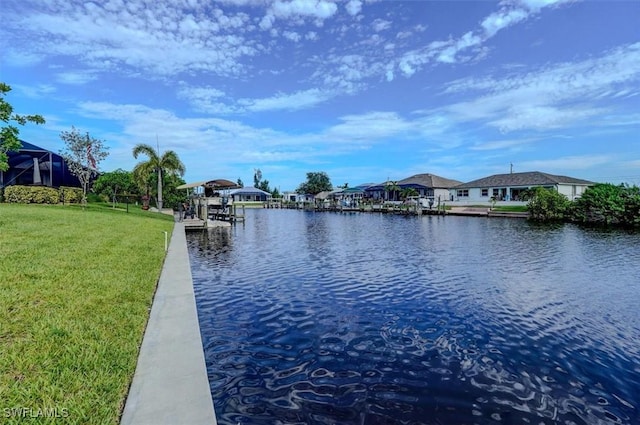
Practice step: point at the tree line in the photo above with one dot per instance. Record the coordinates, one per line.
(603, 204)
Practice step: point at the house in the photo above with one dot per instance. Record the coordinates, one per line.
(33, 165)
(426, 185)
(249, 194)
(510, 187)
(289, 196)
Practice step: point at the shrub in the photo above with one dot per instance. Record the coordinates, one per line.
(70, 195)
(631, 199)
(601, 204)
(31, 195)
(547, 205)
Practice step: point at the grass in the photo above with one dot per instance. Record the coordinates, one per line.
(511, 208)
(76, 287)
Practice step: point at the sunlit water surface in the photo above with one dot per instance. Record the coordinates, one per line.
(328, 318)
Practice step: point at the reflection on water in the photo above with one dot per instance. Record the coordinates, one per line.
(322, 318)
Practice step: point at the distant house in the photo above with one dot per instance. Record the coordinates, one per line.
(510, 187)
(288, 196)
(249, 194)
(297, 197)
(426, 185)
(33, 165)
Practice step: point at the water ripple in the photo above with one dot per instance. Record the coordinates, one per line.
(371, 319)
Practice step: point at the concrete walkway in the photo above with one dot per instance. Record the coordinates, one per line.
(170, 385)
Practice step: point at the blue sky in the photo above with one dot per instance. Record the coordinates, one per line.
(363, 90)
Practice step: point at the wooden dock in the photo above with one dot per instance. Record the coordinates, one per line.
(194, 224)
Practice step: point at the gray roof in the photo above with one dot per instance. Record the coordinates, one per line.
(530, 178)
(429, 180)
(424, 180)
(248, 190)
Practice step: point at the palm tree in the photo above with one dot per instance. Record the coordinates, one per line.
(167, 163)
(392, 186)
(407, 192)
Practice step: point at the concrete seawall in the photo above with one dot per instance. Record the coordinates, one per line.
(170, 385)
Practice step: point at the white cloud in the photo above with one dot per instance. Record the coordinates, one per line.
(320, 9)
(536, 5)
(500, 145)
(448, 54)
(503, 19)
(578, 162)
(160, 40)
(206, 99)
(449, 51)
(199, 141)
(75, 78)
(354, 7)
(369, 127)
(551, 97)
(292, 35)
(380, 25)
(34, 91)
(295, 101)
(267, 22)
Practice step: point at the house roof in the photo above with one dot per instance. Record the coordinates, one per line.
(249, 190)
(428, 180)
(26, 146)
(323, 195)
(530, 178)
(420, 180)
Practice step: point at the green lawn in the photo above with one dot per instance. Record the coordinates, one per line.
(75, 291)
(511, 208)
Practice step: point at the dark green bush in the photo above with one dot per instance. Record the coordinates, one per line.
(601, 204)
(31, 195)
(547, 205)
(631, 199)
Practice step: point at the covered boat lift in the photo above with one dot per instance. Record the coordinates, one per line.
(213, 203)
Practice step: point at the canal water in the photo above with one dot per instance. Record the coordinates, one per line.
(362, 318)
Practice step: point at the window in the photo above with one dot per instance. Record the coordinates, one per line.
(463, 193)
(485, 192)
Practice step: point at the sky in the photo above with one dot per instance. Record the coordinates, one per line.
(363, 90)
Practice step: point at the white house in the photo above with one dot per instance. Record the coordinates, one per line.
(249, 194)
(510, 187)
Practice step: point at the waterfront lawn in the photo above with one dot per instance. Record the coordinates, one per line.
(76, 287)
(511, 208)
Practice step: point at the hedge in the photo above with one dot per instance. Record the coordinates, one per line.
(70, 195)
(41, 195)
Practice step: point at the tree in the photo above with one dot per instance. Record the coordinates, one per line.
(83, 155)
(407, 192)
(239, 182)
(257, 176)
(547, 205)
(631, 199)
(601, 204)
(157, 164)
(171, 196)
(115, 182)
(392, 187)
(9, 140)
(258, 183)
(316, 182)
